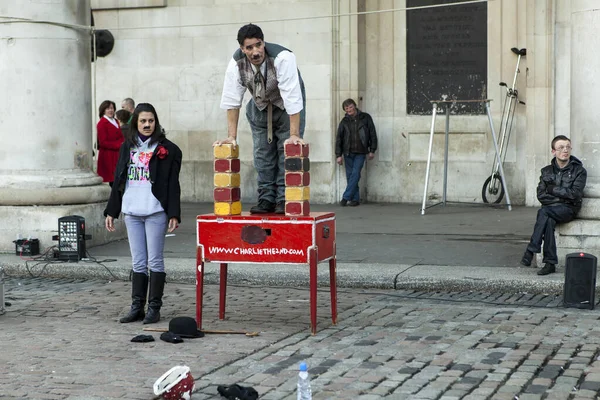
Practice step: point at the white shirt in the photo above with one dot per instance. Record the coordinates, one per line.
(112, 121)
(287, 78)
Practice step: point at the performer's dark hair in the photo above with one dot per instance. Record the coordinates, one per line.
(250, 31)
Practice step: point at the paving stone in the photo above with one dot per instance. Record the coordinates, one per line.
(382, 347)
(454, 394)
(591, 376)
(557, 396)
(511, 390)
(530, 396)
(462, 367)
(536, 389)
(585, 394)
(408, 371)
(590, 385)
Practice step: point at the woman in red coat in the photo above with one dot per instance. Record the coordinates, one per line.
(110, 139)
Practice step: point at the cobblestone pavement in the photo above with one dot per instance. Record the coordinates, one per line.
(60, 339)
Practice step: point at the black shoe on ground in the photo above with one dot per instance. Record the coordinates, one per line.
(280, 207)
(527, 257)
(343, 202)
(353, 203)
(547, 269)
(263, 207)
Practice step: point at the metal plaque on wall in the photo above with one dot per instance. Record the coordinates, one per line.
(446, 55)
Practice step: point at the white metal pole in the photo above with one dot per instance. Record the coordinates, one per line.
(429, 157)
(500, 168)
(446, 138)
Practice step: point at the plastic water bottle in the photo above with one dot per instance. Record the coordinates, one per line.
(304, 392)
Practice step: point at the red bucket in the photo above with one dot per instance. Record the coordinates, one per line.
(176, 384)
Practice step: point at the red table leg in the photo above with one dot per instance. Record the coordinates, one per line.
(222, 290)
(199, 292)
(312, 259)
(333, 288)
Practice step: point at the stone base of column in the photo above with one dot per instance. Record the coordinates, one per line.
(582, 234)
(52, 187)
(41, 222)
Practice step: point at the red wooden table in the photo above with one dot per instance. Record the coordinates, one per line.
(266, 239)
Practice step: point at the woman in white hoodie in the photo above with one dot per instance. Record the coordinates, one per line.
(146, 190)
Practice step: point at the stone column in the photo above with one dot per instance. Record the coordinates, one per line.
(46, 121)
(346, 38)
(578, 22)
(540, 92)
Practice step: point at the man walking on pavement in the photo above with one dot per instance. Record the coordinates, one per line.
(276, 112)
(356, 139)
(560, 191)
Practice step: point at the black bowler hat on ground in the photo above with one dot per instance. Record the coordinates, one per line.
(185, 327)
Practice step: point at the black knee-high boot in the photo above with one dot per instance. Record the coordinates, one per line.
(139, 288)
(157, 286)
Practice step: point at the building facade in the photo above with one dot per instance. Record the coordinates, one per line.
(173, 54)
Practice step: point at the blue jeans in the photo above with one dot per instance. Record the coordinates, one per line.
(146, 237)
(354, 163)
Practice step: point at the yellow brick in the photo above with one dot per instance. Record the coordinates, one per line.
(299, 193)
(225, 208)
(227, 180)
(226, 151)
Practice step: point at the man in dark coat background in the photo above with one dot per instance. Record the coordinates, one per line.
(356, 140)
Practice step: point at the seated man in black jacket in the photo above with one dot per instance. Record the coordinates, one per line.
(560, 191)
(356, 140)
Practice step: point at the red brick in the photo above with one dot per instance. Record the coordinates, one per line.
(227, 194)
(296, 150)
(227, 165)
(297, 178)
(297, 208)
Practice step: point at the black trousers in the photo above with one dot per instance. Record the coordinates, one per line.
(547, 218)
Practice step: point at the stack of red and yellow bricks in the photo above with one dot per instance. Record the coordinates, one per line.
(227, 180)
(297, 180)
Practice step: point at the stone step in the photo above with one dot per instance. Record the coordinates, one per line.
(587, 244)
(578, 235)
(582, 234)
(590, 209)
(584, 227)
(592, 188)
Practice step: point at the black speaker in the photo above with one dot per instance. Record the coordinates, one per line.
(71, 238)
(580, 280)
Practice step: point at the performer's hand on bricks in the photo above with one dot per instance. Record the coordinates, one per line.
(229, 139)
(294, 139)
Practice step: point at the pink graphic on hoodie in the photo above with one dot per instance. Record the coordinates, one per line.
(139, 165)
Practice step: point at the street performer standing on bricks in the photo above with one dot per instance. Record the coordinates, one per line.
(276, 112)
(560, 191)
